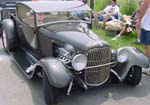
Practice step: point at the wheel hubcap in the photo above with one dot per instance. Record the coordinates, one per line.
(4, 39)
(131, 73)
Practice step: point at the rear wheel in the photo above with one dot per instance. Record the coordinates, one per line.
(5, 40)
(134, 75)
(49, 91)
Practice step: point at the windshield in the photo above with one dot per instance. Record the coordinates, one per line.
(68, 26)
(51, 17)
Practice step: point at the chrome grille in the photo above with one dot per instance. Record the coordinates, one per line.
(97, 75)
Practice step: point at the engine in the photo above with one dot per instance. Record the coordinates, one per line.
(65, 53)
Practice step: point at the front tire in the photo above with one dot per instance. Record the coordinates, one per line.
(134, 75)
(48, 90)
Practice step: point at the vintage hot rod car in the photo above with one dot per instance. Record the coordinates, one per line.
(52, 39)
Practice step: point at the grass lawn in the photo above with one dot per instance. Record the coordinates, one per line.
(125, 40)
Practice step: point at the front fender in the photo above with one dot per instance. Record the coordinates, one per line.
(134, 57)
(59, 76)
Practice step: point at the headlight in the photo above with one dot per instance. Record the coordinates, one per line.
(122, 56)
(79, 62)
(113, 56)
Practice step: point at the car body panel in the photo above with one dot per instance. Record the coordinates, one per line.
(24, 62)
(72, 37)
(57, 46)
(134, 57)
(58, 75)
(9, 25)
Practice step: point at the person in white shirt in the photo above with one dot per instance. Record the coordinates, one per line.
(109, 13)
(130, 22)
(144, 23)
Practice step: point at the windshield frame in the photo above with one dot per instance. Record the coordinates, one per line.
(89, 21)
(66, 21)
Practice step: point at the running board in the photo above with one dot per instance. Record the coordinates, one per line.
(24, 62)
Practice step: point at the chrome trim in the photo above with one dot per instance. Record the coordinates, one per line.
(81, 82)
(100, 83)
(89, 67)
(69, 88)
(4, 38)
(116, 75)
(66, 21)
(100, 65)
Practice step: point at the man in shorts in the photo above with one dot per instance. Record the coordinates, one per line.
(144, 23)
(109, 13)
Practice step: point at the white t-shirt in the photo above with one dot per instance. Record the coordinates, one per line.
(111, 9)
(146, 19)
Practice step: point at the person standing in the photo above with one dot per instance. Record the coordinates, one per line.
(144, 23)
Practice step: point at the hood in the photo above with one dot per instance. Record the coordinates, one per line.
(75, 36)
(81, 40)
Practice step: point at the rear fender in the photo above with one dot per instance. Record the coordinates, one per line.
(59, 76)
(9, 25)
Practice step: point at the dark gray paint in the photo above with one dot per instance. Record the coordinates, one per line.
(9, 26)
(79, 40)
(134, 57)
(58, 75)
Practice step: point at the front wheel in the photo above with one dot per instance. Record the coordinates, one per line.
(48, 90)
(134, 75)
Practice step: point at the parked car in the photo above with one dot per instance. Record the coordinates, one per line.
(52, 39)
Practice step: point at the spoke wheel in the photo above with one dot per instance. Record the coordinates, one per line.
(134, 75)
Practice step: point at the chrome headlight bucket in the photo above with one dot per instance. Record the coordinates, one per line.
(79, 62)
(114, 56)
(122, 55)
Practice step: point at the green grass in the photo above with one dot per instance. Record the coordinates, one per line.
(126, 6)
(125, 40)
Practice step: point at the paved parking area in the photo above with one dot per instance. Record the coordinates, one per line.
(15, 89)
